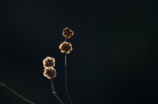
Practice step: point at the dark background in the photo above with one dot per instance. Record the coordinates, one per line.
(114, 57)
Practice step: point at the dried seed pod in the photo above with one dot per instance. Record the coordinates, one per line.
(49, 72)
(48, 62)
(65, 47)
(68, 32)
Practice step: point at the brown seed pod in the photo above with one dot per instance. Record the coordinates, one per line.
(65, 47)
(48, 62)
(68, 32)
(49, 72)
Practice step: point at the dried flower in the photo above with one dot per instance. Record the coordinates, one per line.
(65, 47)
(48, 62)
(49, 72)
(68, 32)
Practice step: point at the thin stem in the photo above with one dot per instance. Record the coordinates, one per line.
(66, 85)
(66, 74)
(66, 37)
(54, 92)
(2, 85)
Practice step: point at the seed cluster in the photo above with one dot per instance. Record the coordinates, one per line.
(48, 64)
(66, 46)
(68, 32)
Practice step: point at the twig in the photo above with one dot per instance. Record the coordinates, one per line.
(54, 92)
(2, 85)
(66, 73)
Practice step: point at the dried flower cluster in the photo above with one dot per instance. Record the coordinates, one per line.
(68, 32)
(48, 64)
(65, 47)
(49, 72)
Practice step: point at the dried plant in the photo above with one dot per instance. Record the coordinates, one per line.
(67, 33)
(49, 64)
(65, 47)
(49, 72)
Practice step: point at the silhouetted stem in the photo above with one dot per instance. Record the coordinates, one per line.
(54, 92)
(2, 85)
(66, 74)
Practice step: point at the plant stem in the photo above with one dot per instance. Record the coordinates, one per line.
(66, 74)
(2, 85)
(54, 92)
(66, 84)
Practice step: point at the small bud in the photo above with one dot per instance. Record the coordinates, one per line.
(49, 72)
(68, 32)
(48, 62)
(65, 47)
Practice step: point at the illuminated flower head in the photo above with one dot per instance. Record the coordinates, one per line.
(48, 62)
(68, 32)
(65, 47)
(49, 72)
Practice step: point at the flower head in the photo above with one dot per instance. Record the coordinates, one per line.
(65, 47)
(48, 62)
(68, 32)
(49, 72)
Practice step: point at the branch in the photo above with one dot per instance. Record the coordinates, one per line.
(2, 85)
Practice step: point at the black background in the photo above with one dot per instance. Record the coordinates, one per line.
(114, 56)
